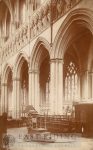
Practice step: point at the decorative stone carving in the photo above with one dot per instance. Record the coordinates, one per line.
(68, 4)
(46, 17)
(39, 21)
(60, 7)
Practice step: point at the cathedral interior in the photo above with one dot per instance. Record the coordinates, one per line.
(46, 55)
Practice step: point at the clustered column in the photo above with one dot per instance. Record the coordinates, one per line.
(34, 89)
(84, 85)
(56, 86)
(90, 85)
(16, 98)
(4, 103)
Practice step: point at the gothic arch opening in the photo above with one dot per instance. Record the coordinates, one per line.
(74, 44)
(76, 60)
(21, 84)
(40, 76)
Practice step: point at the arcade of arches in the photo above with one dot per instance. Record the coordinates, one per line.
(51, 84)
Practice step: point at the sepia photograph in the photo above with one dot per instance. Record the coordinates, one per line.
(46, 74)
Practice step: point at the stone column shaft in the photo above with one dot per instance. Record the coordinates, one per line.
(30, 88)
(37, 91)
(34, 89)
(79, 90)
(84, 84)
(92, 85)
(56, 86)
(60, 86)
(4, 98)
(16, 98)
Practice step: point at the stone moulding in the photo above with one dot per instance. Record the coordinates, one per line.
(49, 12)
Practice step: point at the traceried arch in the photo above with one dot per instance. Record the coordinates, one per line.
(71, 82)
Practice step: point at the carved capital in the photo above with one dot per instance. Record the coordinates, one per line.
(16, 79)
(4, 84)
(56, 60)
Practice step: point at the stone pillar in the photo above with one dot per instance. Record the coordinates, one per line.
(13, 27)
(90, 78)
(4, 103)
(16, 98)
(92, 85)
(34, 98)
(30, 87)
(79, 89)
(56, 86)
(17, 11)
(84, 84)
(37, 91)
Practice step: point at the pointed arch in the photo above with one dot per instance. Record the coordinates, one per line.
(82, 17)
(18, 63)
(38, 50)
(6, 71)
(9, 6)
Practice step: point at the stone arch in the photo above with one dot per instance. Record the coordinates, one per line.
(40, 74)
(90, 58)
(6, 71)
(21, 81)
(37, 50)
(82, 17)
(77, 25)
(9, 6)
(7, 92)
(18, 63)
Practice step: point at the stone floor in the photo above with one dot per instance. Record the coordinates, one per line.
(63, 142)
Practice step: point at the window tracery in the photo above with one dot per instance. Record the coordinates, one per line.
(71, 82)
